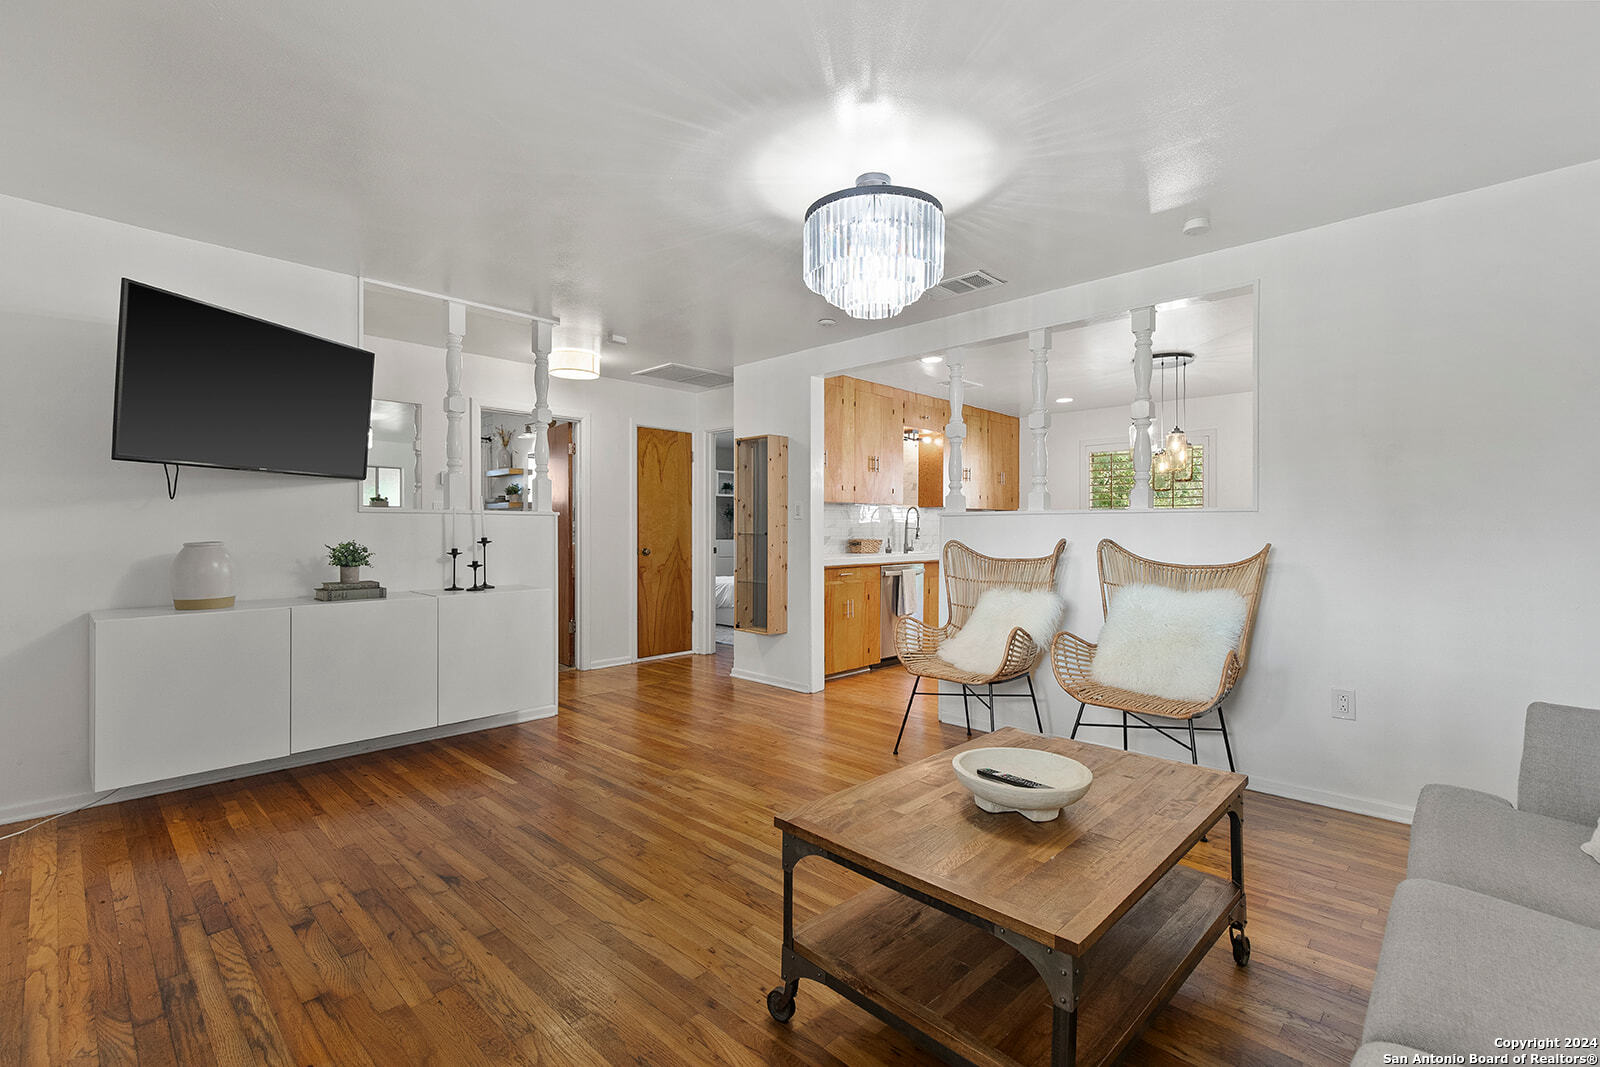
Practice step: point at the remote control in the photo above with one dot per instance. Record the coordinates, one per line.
(1009, 779)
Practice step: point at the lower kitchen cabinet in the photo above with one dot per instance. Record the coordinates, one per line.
(850, 618)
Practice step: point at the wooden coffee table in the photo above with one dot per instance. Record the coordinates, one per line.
(973, 910)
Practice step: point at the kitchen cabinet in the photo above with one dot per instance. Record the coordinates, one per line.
(864, 426)
(850, 618)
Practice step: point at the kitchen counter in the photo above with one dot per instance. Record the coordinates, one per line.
(876, 559)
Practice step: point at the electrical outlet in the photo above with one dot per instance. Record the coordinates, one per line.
(1344, 704)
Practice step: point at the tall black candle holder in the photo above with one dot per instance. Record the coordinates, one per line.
(485, 543)
(475, 587)
(455, 584)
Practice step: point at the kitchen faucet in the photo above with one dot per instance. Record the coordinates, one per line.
(905, 533)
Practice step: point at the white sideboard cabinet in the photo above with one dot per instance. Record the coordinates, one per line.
(180, 693)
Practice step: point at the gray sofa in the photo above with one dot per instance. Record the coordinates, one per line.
(1495, 933)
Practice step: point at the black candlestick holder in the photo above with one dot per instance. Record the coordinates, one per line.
(474, 587)
(455, 584)
(485, 543)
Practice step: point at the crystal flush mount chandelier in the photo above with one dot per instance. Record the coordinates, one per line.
(871, 250)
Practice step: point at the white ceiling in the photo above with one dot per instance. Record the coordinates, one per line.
(642, 167)
(1092, 362)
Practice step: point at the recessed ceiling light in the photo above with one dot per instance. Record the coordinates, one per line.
(933, 359)
(1063, 400)
(827, 322)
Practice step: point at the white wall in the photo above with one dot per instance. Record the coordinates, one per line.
(1229, 421)
(1437, 569)
(82, 532)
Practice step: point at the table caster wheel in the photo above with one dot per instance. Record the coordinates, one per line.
(780, 1005)
(1241, 946)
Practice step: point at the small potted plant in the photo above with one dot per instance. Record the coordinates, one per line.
(349, 557)
(514, 494)
(377, 501)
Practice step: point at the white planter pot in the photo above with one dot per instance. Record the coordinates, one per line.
(202, 577)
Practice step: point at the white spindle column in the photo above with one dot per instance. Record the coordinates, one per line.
(1039, 420)
(1143, 322)
(541, 487)
(955, 431)
(457, 495)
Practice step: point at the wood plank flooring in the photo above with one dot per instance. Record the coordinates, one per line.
(601, 888)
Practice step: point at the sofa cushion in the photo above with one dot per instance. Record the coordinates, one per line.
(1459, 969)
(1479, 842)
(1373, 1054)
(1560, 774)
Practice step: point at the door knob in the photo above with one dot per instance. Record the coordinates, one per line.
(644, 552)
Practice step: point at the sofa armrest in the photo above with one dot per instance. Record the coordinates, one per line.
(1560, 774)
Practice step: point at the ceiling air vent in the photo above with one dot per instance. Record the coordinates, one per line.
(679, 374)
(966, 283)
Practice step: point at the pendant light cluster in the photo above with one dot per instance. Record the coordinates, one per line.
(873, 249)
(1173, 456)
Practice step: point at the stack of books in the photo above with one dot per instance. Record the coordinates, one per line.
(350, 591)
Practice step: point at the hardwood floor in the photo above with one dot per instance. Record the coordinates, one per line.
(600, 888)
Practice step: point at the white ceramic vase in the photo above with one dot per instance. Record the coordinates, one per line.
(202, 577)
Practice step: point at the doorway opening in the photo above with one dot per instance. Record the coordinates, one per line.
(722, 540)
(563, 498)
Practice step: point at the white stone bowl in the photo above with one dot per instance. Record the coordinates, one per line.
(1067, 780)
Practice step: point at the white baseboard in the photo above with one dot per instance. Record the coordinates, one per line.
(767, 679)
(1380, 809)
(39, 809)
(602, 664)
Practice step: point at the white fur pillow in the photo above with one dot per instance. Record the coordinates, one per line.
(1592, 846)
(1167, 642)
(980, 645)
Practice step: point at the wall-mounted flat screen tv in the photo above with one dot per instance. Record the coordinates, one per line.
(203, 387)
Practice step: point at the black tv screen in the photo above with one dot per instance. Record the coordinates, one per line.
(204, 387)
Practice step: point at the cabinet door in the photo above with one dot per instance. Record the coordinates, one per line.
(850, 605)
(878, 428)
(975, 458)
(188, 692)
(363, 669)
(930, 594)
(1005, 461)
(496, 653)
(930, 473)
(839, 440)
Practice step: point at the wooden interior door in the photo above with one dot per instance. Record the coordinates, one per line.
(563, 477)
(665, 507)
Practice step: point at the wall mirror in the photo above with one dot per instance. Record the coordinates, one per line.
(394, 459)
(1209, 393)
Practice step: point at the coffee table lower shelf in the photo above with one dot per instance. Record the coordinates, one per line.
(971, 998)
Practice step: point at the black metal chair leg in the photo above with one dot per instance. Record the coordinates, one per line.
(1225, 746)
(1078, 721)
(1194, 751)
(915, 681)
(991, 707)
(1124, 731)
(966, 709)
(1036, 716)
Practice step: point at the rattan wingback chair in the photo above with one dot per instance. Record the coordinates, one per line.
(967, 576)
(1072, 658)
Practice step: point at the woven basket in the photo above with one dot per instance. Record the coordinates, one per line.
(864, 546)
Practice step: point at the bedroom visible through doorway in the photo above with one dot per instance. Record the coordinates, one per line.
(722, 534)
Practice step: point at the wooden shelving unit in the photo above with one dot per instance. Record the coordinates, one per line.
(761, 534)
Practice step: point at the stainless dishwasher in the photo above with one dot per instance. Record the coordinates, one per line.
(895, 577)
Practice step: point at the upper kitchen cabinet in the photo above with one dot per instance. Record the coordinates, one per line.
(866, 451)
